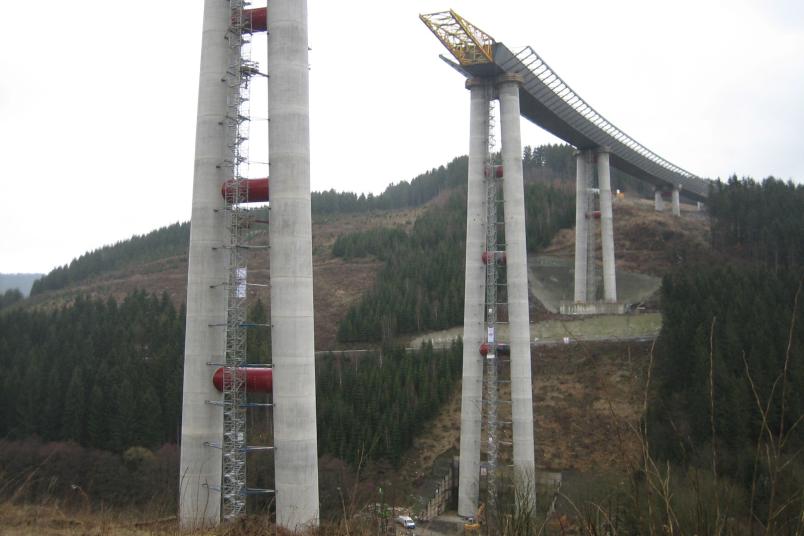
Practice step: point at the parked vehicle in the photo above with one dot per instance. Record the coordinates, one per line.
(406, 522)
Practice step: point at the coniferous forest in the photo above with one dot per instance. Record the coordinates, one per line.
(421, 285)
(729, 362)
(94, 387)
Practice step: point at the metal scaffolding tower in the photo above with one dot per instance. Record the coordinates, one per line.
(234, 447)
(496, 297)
(234, 393)
(490, 374)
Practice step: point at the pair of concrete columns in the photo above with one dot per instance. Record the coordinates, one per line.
(658, 200)
(585, 216)
(294, 414)
(475, 334)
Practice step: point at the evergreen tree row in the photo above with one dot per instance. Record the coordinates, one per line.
(108, 376)
(102, 374)
(403, 194)
(376, 411)
(163, 242)
(421, 286)
(762, 221)
(10, 297)
(557, 162)
(740, 319)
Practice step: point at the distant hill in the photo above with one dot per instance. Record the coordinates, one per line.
(21, 282)
(157, 261)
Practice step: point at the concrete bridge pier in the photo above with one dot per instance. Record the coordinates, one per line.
(606, 225)
(676, 200)
(658, 201)
(587, 162)
(583, 169)
(474, 299)
(517, 281)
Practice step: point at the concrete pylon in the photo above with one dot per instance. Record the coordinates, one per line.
(581, 224)
(517, 273)
(676, 200)
(606, 226)
(292, 336)
(658, 202)
(474, 302)
(200, 465)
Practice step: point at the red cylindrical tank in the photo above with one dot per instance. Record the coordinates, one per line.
(258, 18)
(256, 190)
(502, 349)
(498, 171)
(499, 255)
(258, 379)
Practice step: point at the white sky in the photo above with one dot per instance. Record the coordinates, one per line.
(98, 99)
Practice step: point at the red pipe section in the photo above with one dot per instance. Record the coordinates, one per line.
(258, 379)
(502, 349)
(498, 255)
(256, 190)
(498, 171)
(257, 18)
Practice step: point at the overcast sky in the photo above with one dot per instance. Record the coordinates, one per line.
(98, 99)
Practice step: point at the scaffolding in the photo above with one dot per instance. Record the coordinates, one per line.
(495, 301)
(234, 446)
(490, 373)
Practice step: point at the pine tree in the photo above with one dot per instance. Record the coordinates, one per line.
(74, 409)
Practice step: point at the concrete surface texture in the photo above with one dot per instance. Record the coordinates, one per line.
(474, 299)
(676, 202)
(606, 226)
(200, 466)
(292, 335)
(581, 228)
(517, 281)
(658, 202)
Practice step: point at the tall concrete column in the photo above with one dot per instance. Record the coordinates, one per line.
(292, 337)
(474, 302)
(676, 201)
(591, 229)
(200, 465)
(517, 273)
(606, 226)
(581, 226)
(658, 202)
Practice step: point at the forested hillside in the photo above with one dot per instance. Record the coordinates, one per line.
(173, 239)
(761, 221)
(10, 297)
(376, 411)
(163, 242)
(421, 285)
(102, 374)
(730, 357)
(546, 163)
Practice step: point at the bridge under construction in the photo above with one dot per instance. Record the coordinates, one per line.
(219, 377)
(496, 289)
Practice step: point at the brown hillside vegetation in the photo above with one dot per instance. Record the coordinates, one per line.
(647, 241)
(587, 398)
(337, 283)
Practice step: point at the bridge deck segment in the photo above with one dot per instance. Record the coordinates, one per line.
(549, 102)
